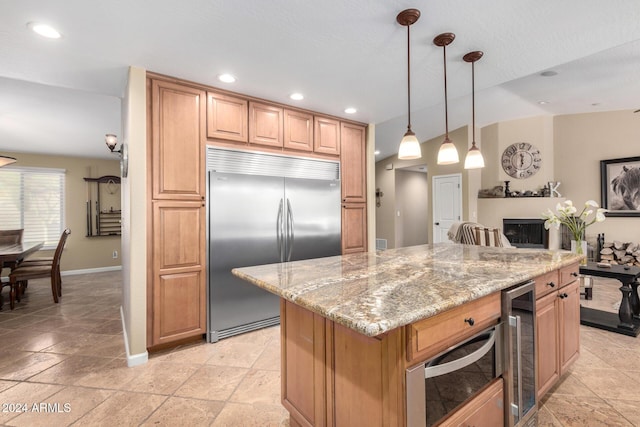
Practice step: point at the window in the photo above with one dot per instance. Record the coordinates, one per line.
(33, 199)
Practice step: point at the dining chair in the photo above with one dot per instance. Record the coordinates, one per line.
(24, 272)
(10, 237)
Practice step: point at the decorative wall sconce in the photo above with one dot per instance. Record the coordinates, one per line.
(112, 141)
(379, 195)
(6, 160)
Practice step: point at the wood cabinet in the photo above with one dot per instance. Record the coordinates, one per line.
(354, 227)
(177, 163)
(179, 294)
(266, 124)
(558, 325)
(352, 159)
(298, 130)
(227, 117)
(176, 293)
(326, 135)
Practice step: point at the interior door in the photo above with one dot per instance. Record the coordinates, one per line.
(447, 204)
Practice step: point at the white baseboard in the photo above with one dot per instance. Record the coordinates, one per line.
(135, 359)
(90, 270)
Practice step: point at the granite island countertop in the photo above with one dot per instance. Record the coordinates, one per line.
(376, 292)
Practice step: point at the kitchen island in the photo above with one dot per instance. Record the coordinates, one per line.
(351, 325)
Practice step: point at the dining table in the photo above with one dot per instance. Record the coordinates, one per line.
(12, 254)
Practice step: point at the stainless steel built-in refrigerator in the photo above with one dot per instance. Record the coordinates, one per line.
(264, 209)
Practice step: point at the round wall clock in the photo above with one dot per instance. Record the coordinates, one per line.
(521, 160)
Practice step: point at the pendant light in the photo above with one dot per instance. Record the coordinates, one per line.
(409, 146)
(6, 160)
(474, 159)
(448, 154)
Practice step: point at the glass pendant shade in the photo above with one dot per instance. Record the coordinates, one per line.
(474, 159)
(448, 154)
(409, 147)
(6, 160)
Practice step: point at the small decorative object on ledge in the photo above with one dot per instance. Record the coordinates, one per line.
(577, 224)
(507, 191)
(106, 219)
(491, 193)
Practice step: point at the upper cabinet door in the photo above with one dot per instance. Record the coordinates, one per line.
(352, 159)
(298, 130)
(266, 124)
(326, 135)
(178, 141)
(227, 117)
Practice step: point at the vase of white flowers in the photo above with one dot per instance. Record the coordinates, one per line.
(577, 224)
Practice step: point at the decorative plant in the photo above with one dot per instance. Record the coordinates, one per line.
(577, 224)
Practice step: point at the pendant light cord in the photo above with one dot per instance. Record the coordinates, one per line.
(473, 102)
(408, 78)
(446, 108)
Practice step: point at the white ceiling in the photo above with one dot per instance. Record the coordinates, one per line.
(62, 96)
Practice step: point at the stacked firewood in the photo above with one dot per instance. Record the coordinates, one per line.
(621, 253)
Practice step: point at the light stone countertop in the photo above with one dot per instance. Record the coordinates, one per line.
(376, 292)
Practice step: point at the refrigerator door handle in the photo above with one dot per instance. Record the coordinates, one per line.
(279, 231)
(290, 235)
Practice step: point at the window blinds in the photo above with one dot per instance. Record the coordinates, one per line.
(33, 199)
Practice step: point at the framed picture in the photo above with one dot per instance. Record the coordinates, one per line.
(620, 186)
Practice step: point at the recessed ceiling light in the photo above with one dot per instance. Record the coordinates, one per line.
(595, 104)
(226, 78)
(376, 152)
(296, 96)
(44, 30)
(543, 102)
(549, 73)
(350, 110)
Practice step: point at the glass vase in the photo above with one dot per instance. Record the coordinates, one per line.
(580, 247)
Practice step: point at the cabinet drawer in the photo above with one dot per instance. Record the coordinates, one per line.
(547, 283)
(430, 336)
(569, 274)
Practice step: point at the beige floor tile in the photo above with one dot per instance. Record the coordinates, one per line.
(178, 411)
(611, 384)
(160, 377)
(114, 375)
(5, 385)
(259, 337)
(270, 358)
(577, 411)
(231, 352)
(572, 386)
(617, 357)
(70, 370)
(32, 340)
(243, 415)
(29, 365)
(62, 408)
(122, 409)
(629, 409)
(546, 418)
(197, 353)
(23, 396)
(212, 382)
(258, 387)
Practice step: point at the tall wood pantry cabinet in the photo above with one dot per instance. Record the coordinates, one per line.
(354, 191)
(176, 301)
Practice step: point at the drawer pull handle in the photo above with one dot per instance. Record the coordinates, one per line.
(574, 274)
(551, 285)
(563, 296)
(470, 321)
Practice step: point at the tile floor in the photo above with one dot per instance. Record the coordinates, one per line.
(69, 360)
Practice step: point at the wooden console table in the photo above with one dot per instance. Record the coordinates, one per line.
(627, 321)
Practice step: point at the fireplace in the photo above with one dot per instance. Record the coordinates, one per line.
(526, 233)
